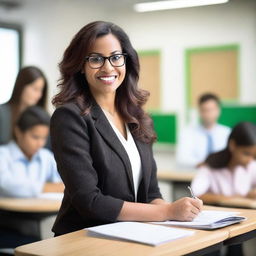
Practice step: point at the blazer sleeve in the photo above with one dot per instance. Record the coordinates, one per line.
(71, 148)
(154, 191)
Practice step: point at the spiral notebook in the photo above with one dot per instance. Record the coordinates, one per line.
(208, 220)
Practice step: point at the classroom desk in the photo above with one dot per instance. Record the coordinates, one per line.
(179, 180)
(79, 243)
(24, 216)
(238, 202)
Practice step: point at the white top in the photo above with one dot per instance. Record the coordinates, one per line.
(193, 144)
(132, 152)
(224, 181)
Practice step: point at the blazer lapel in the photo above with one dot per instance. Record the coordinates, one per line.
(106, 131)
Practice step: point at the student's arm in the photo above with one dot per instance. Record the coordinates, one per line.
(54, 187)
(184, 209)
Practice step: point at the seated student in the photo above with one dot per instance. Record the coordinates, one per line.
(197, 142)
(26, 167)
(232, 171)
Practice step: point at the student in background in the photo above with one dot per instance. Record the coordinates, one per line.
(27, 169)
(197, 142)
(30, 89)
(230, 172)
(102, 139)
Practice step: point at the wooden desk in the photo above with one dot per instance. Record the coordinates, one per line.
(176, 176)
(21, 218)
(78, 243)
(30, 205)
(239, 202)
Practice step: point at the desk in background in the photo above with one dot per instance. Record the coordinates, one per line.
(178, 180)
(20, 219)
(77, 243)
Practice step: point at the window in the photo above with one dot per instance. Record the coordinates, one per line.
(10, 59)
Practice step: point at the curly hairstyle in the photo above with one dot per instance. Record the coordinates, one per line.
(129, 98)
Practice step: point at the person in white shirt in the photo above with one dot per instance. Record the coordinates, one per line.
(27, 169)
(195, 143)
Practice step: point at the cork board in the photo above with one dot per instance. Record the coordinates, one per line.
(212, 70)
(150, 78)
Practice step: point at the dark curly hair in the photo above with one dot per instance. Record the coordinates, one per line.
(129, 98)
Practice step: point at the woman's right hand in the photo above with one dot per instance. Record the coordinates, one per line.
(184, 209)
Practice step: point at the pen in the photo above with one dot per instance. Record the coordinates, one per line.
(191, 192)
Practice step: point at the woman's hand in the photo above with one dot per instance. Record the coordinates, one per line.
(184, 209)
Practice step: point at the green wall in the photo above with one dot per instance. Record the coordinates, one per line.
(165, 126)
(231, 115)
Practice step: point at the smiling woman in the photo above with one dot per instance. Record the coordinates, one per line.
(102, 138)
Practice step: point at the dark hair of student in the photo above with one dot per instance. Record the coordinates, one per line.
(26, 76)
(32, 116)
(243, 134)
(129, 98)
(208, 96)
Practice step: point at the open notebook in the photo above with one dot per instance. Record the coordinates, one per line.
(139, 232)
(208, 220)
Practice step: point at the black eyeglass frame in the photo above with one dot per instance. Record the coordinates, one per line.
(107, 58)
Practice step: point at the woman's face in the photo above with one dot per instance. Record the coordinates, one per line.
(33, 92)
(243, 155)
(106, 79)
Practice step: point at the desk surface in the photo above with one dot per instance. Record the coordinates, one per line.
(29, 205)
(77, 243)
(174, 176)
(240, 202)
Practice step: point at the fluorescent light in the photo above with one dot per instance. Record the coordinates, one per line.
(174, 4)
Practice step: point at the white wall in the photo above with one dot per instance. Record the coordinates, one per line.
(50, 25)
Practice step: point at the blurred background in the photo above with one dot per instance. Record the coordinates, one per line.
(183, 53)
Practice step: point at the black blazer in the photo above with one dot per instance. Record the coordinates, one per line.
(95, 169)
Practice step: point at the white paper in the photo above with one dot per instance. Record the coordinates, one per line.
(51, 195)
(140, 232)
(209, 220)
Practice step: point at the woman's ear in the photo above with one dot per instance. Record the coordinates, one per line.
(232, 145)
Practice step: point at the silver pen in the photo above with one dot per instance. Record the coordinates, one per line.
(191, 192)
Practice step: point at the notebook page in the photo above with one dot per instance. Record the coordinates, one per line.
(140, 232)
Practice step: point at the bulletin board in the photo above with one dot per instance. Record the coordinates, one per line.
(212, 69)
(150, 77)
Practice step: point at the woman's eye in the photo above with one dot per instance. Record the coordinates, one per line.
(96, 59)
(116, 57)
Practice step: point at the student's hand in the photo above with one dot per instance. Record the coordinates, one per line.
(185, 209)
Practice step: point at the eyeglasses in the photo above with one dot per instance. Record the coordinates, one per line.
(97, 61)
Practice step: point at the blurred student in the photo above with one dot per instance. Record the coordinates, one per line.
(197, 142)
(30, 89)
(232, 171)
(26, 167)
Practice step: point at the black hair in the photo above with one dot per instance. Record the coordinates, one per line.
(31, 117)
(208, 96)
(243, 134)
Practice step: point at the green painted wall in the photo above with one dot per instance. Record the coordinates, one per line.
(165, 127)
(231, 115)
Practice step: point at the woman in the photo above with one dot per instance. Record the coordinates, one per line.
(102, 139)
(30, 89)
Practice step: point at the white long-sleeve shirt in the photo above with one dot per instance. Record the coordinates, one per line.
(192, 146)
